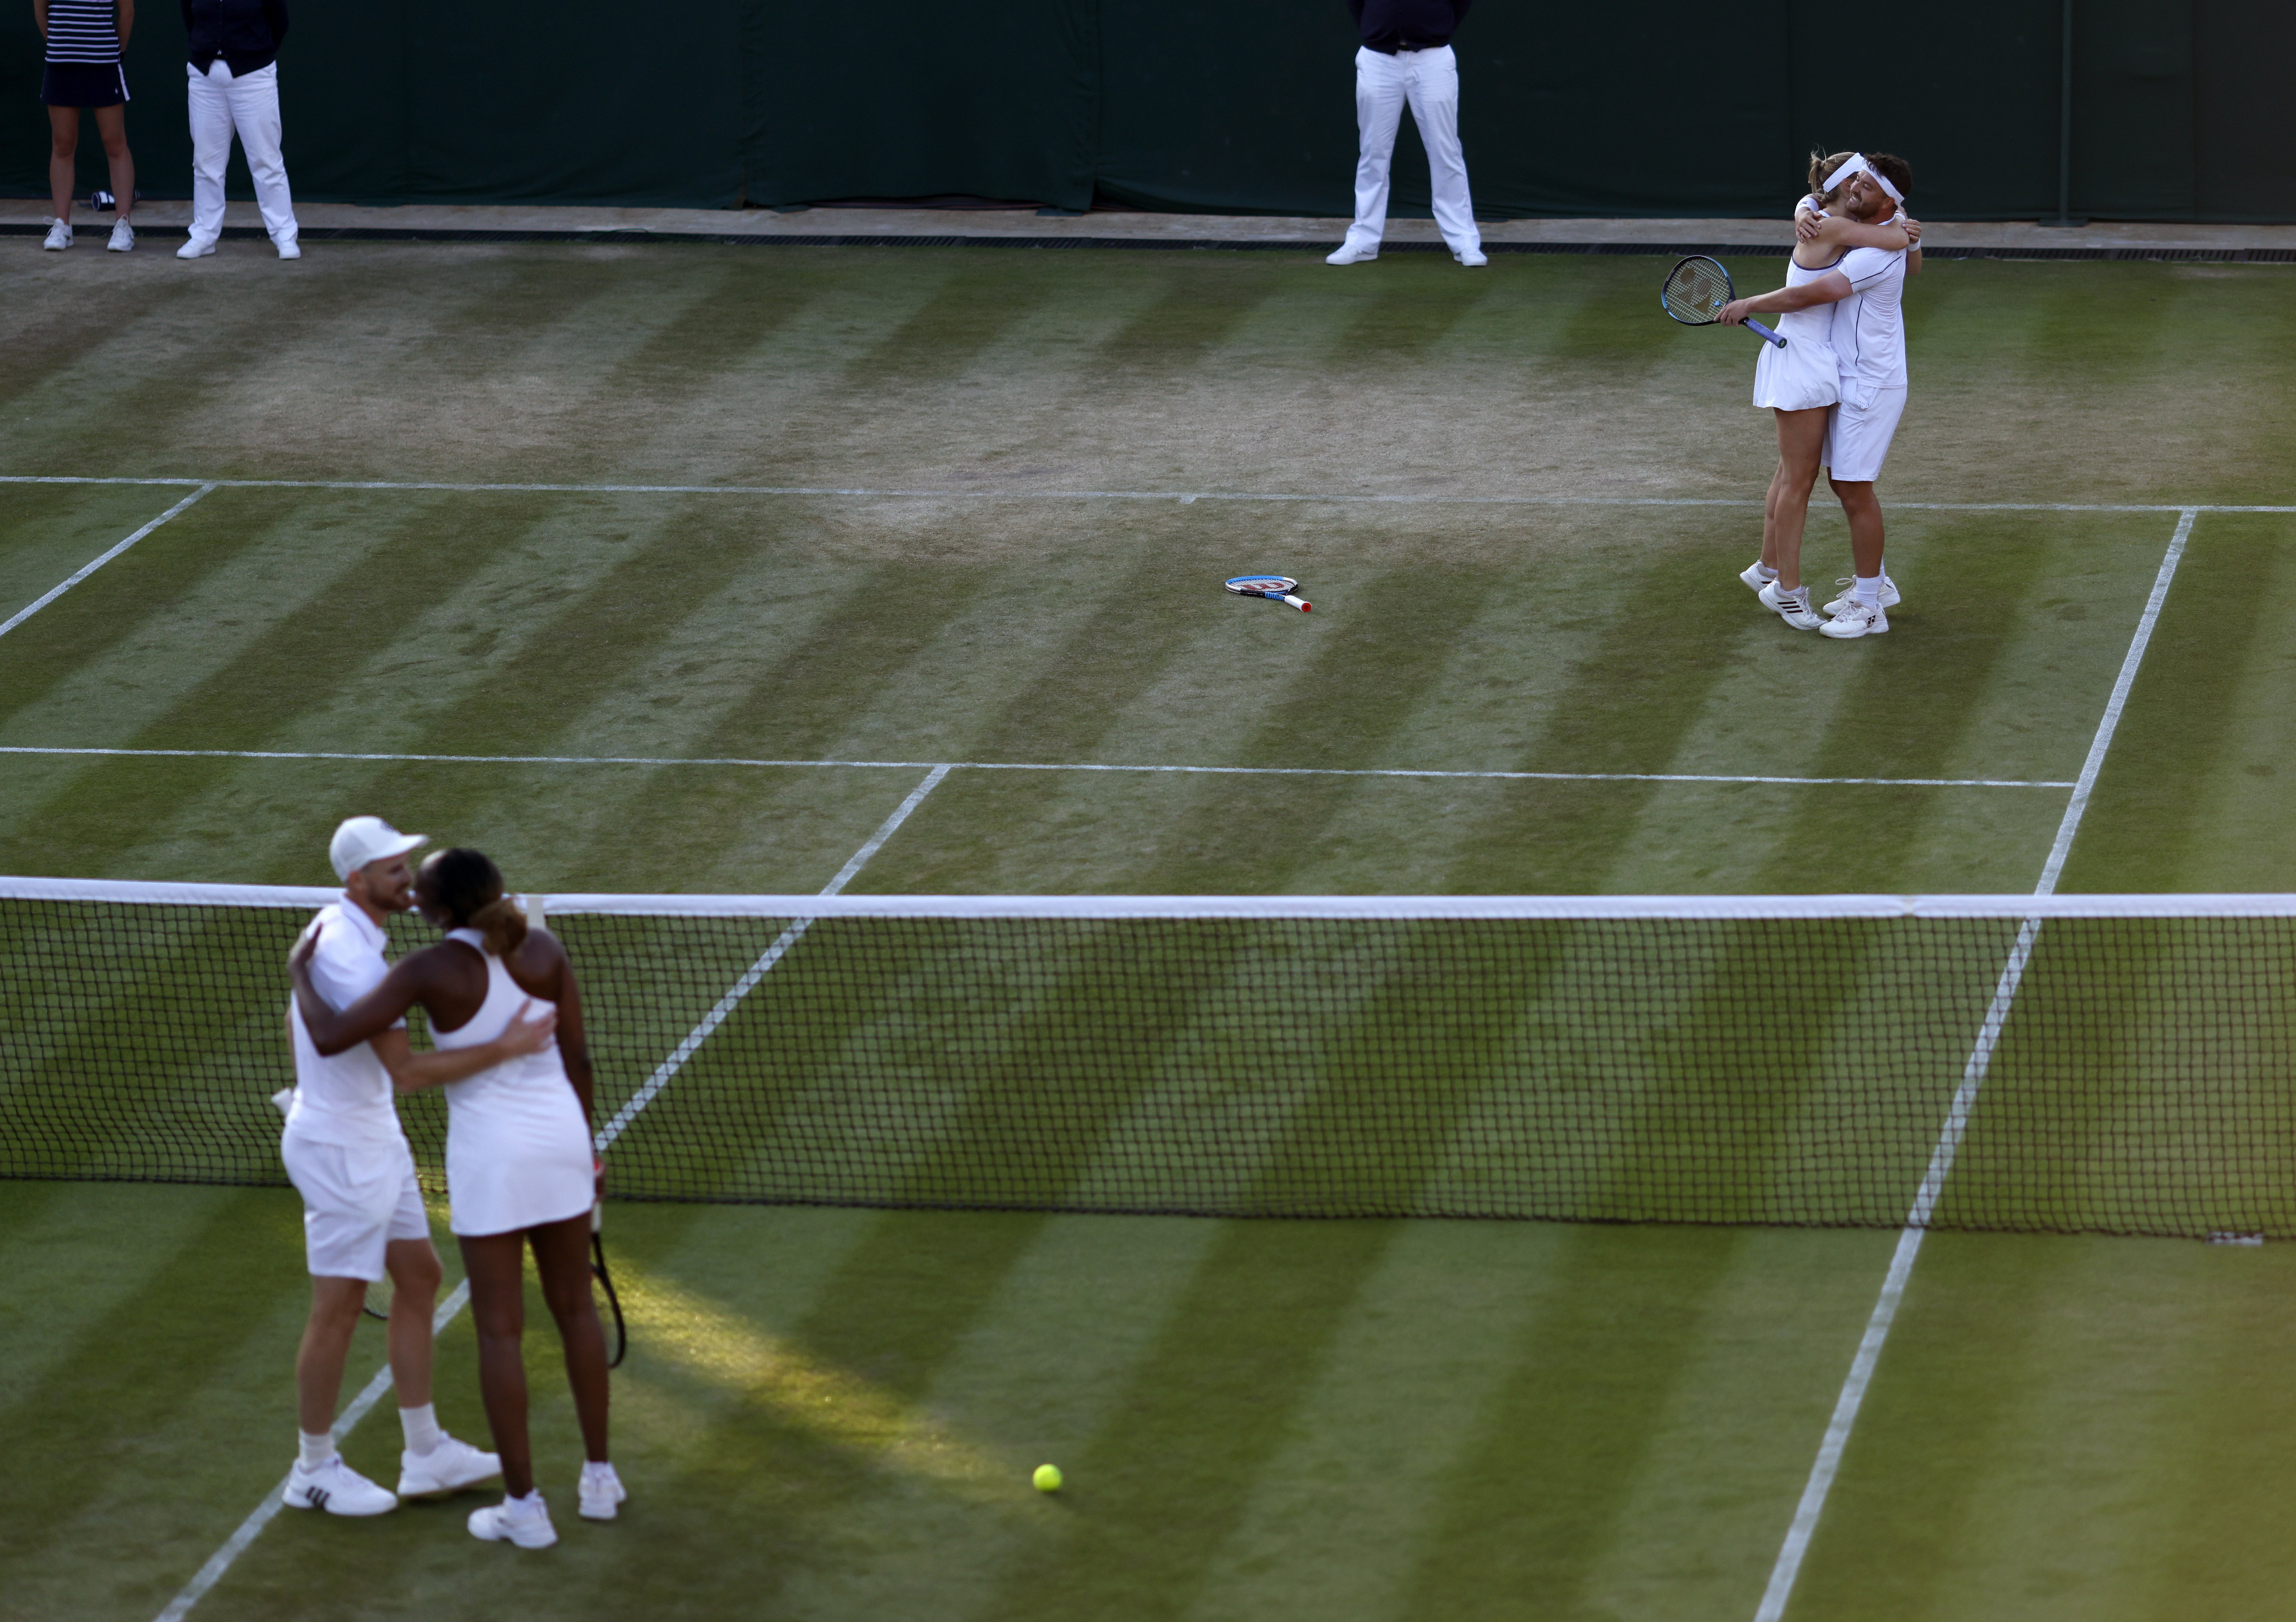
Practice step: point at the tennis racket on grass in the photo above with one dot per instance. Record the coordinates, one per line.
(1276, 588)
(618, 1341)
(1696, 288)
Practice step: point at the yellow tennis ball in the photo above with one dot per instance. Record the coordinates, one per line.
(1048, 1478)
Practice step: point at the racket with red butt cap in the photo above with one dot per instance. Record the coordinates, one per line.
(1276, 588)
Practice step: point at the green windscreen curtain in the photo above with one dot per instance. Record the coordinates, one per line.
(1238, 106)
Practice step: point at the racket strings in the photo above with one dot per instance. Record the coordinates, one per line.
(1695, 291)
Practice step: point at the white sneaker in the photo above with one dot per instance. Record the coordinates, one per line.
(291, 249)
(448, 1468)
(503, 1523)
(1791, 606)
(60, 235)
(1471, 257)
(1350, 253)
(195, 249)
(1848, 589)
(1754, 578)
(1857, 619)
(602, 1492)
(123, 238)
(336, 1488)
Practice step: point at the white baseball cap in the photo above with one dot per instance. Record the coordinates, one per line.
(362, 839)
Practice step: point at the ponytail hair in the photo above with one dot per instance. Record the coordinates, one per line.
(1822, 166)
(470, 887)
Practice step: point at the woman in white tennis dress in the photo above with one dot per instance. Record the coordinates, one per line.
(519, 1172)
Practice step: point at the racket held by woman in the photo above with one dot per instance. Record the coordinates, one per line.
(1696, 288)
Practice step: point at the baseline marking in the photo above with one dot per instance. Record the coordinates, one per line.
(237, 1543)
(90, 566)
(1185, 497)
(1828, 1462)
(1014, 766)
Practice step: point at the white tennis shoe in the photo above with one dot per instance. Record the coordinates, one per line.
(1351, 254)
(448, 1468)
(510, 1522)
(1791, 606)
(602, 1492)
(60, 235)
(195, 249)
(1848, 589)
(336, 1488)
(123, 238)
(1754, 578)
(1471, 256)
(1857, 619)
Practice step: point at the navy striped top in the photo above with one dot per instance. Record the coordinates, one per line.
(83, 31)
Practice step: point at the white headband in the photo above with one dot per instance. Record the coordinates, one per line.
(1859, 166)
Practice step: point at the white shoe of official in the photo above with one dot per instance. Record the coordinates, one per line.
(506, 1522)
(336, 1488)
(291, 249)
(1849, 588)
(60, 235)
(448, 1468)
(1471, 256)
(602, 1492)
(1754, 578)
(1349, 253)
(1791, 606)
(195, 249)
(123, 238)
(1857, 619)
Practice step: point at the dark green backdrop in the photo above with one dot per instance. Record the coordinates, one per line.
(2180, 106)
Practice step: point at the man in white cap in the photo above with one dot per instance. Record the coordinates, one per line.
(363, 1212)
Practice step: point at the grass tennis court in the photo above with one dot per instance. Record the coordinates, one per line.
(827, 519)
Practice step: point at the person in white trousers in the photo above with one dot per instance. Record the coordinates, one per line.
(1406, 56)
(234, 88)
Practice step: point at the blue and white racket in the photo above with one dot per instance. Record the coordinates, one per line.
(1696, 288)
(1276, 588)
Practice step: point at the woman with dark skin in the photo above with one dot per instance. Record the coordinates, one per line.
(517, 1156)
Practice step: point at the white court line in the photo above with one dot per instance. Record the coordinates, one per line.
(1185, 498)
(1828, 1462)
(90, 566)
(237, 1543)
(1016, 765)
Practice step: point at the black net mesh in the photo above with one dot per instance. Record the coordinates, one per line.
(1700, 1068)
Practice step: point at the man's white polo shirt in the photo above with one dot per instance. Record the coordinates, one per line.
(346, 1100)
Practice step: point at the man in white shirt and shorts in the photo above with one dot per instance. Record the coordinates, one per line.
(363, 1212)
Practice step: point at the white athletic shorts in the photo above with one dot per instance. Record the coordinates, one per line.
(1858, 436)
(354, 1202)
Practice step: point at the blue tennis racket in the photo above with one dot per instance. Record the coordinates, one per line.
(1276, 588)
(1696, 288)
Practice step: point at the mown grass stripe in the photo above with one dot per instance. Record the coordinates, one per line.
(93, 564)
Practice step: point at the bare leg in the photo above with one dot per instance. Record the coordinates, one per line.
(561, 1252)
(495, 1264)
(1801, 441)
(112, 124)
(63, 149)
(1770, 517)
(1863, 509)
(336, 1306)
(414, 1295)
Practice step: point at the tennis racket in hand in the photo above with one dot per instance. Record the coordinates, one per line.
(618, 1339)
(1696, 288)
(1276, 588)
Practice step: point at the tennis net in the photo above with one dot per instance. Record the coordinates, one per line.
(2116, 1064)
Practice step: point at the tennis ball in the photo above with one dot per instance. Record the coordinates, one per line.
(1048, 1478)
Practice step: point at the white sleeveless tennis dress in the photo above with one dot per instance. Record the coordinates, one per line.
(1804, 374)
(518, 1150)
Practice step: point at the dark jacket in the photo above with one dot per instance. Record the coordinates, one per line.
(1386, 24)
(245, 33)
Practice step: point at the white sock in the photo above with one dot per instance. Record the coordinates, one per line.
(422, 1428)
(315, 1450)
(526, 1508)
(596, 1471)
(1869, 590)
(1764, 571)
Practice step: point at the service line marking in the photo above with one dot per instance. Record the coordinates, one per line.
(1184, 498)
(1828, 1462)
(237, 1543)
(1020, 765)
(93, 564)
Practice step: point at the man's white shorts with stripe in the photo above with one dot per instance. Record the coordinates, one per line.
(1858, 436)
(356, 1200)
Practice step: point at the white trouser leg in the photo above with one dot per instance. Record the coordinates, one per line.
(1379, 108)
(255, 112)
(210, 116)
(1433, 87)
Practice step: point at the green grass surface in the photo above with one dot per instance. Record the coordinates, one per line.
(832, 1414)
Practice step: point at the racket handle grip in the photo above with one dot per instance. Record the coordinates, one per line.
(1301, 603)
(1765, 333)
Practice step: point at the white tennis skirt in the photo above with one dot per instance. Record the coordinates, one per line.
(1800, 377)
(518, 1151)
